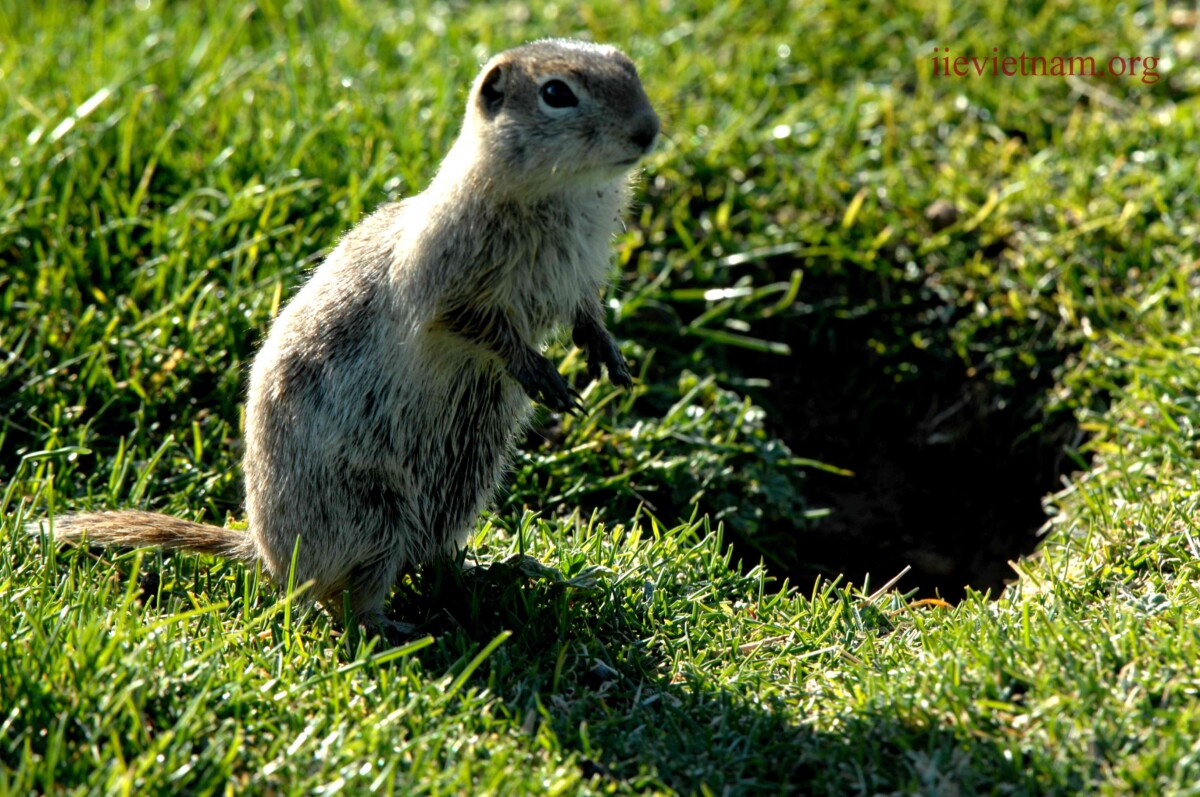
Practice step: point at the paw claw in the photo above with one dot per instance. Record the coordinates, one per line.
(618, 371)
(594, 371)
(544, 384)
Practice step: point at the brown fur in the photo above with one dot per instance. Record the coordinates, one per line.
(132, 528)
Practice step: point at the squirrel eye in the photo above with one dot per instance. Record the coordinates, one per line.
(558, 94)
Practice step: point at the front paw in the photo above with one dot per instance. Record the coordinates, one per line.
(605, 351)
(618, 369)
(601, 351)
(543, 383)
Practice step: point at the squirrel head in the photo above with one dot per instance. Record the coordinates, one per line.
(558, 112)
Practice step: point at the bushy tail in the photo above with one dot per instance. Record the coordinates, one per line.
(134, 529)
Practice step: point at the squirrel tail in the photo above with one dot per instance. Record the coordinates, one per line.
(134, 529)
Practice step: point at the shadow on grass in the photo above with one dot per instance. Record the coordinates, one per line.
(591, 669)
(632, 690)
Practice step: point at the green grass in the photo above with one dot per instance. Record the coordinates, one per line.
(172, 170)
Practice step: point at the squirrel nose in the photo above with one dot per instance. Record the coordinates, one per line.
(645, 131)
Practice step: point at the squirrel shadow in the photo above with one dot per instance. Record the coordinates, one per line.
(580, 663)
(588, 664)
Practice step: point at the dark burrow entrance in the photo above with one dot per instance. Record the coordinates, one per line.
(947, 476)
(950, 466)
(946, 411)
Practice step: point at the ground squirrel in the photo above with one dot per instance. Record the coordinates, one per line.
(385, 399)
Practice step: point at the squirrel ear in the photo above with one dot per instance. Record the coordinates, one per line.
(491, 90)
